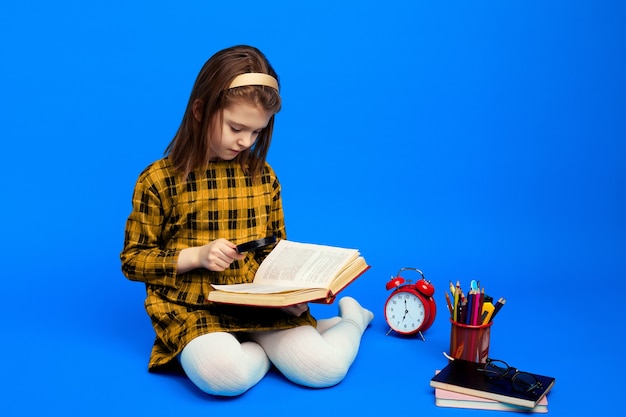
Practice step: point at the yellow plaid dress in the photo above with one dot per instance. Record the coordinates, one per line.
(169, 215)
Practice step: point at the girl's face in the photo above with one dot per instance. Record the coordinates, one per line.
(241, 124)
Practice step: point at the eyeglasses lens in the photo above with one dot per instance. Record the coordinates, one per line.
(525, 382)
(496, 368)
(521, 381)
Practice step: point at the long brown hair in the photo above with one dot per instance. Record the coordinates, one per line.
(189, 149)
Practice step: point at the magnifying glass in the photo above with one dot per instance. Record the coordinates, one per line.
(256, 244)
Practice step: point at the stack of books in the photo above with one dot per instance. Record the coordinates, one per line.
(462, 385)
(450, 399)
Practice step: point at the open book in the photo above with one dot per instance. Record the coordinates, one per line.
(296, 273)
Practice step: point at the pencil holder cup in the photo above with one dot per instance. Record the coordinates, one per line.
(470, 342)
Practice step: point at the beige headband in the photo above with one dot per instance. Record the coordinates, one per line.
(254, 78)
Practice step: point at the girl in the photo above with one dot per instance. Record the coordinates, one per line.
(212, 191)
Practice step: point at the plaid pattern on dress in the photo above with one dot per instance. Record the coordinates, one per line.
(168, 215)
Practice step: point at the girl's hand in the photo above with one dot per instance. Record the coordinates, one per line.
(214, 256)
(296, 309)
(218, 255)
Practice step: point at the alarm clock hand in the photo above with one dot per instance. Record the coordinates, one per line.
(406, 311)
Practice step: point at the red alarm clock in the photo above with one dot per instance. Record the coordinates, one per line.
(410, 309)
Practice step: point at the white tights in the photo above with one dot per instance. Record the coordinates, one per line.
(220, 365)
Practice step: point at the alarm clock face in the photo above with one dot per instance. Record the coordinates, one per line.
(405, 312)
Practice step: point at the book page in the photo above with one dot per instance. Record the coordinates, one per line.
(255, 288)
(304, 265)
(293, 265)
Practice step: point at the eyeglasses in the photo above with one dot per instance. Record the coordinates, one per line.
(521, 381)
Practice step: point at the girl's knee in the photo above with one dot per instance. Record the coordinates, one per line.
(324, 372)
(219, 366)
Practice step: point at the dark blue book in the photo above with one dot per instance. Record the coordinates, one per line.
(467, 377)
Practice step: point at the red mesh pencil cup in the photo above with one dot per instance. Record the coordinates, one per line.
(470, 342)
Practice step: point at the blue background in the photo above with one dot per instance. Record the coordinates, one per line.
(472, 139)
